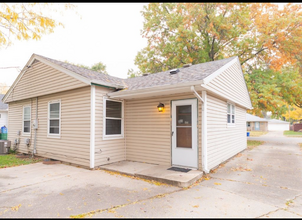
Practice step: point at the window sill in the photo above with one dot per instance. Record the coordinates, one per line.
(25, 134)
(53, 136)
(113, 137)
(230, 125)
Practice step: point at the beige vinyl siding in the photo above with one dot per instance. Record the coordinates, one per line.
(15, 124)
(113, 149)
(41, 79)
(223, 141)
(148, 132)
(74, 143)
(231, 84)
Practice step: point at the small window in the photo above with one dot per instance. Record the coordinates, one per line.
(231, 114)
(26, 119)
(113, 118)
(54, 117)
(248, 124)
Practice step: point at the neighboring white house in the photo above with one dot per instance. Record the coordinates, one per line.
(3, 112)
(278, 125)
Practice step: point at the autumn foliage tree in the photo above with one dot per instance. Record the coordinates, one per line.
(24, 21)
(267, 40)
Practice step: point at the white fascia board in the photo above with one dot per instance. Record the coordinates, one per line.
(219, 71)
(152, 90)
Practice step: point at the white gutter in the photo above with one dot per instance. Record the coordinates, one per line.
(152, 90)
(204, 136)
(92, 126)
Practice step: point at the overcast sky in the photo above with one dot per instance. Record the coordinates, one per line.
(106, 32)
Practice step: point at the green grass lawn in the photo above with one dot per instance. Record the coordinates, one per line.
(292, 133)
(10, 160)
(257, 133)
(253, 144)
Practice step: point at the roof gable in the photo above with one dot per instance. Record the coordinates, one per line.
(38, 78)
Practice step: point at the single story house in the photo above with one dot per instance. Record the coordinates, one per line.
(278, 125)
(194, 116)
(3, 112)
(255, 123)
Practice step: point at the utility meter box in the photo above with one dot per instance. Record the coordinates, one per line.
(27, 141)
(35, 124)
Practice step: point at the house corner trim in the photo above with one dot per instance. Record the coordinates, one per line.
(92, 127)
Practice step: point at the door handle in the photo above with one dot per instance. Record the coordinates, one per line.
(172, 133)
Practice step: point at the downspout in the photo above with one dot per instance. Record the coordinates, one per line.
(203, 99)
(35, 125)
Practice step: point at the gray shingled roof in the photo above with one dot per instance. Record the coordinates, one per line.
(189, 74)
(250, 117)
(2, 105)
(86, 72)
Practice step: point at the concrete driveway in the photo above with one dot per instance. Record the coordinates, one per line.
(263, 182)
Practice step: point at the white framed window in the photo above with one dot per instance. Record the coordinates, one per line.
(54, 118)
(26, 120)
(113, 114)
(230, 114)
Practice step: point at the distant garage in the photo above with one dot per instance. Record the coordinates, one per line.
(278, 125)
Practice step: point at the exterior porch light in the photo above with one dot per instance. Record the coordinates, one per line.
(160, 107)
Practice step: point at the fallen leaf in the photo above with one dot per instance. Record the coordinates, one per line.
(217, 183)
(195, 206)
(15, 208)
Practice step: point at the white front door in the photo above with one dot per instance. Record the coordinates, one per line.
(184, 133)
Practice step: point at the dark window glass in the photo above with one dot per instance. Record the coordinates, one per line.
(113, 109)
(113, 126)
(54, 126)
(26, 127)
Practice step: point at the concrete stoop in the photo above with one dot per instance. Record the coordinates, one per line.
(154, 172)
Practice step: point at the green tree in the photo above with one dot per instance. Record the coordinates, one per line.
(267, 40)
(99, 67)
(27, 21)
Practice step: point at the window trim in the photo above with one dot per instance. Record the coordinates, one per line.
(26, 133)
(112, 136)
(48, 120)
(232, 113)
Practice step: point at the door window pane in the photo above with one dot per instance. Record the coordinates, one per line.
(184, 137)
(183, 115)
(184, 126)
